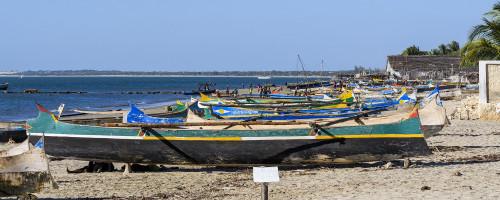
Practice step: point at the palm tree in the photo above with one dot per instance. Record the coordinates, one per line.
(453, 46)
(435, 52)
(481, 49)
(443, 49)
(495, 13)
(484, 40)
(413, 50)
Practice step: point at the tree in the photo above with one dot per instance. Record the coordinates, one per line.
(443, 49)
(413, 50)
(435, 52)
(484, 40)
(495, 13)
(454, 46)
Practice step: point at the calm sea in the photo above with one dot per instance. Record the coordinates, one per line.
(103, 93)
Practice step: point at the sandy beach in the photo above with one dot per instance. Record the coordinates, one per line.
(464, 165)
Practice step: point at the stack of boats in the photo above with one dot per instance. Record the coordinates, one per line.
(254, 130)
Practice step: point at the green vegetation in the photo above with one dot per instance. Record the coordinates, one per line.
(484, 40)
(187, 73)
(452, 48)
(413, 50)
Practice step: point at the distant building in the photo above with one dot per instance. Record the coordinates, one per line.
(422, 66)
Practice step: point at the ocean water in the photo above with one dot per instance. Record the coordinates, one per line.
(103, 93)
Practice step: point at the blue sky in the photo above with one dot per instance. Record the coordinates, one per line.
(225, 35)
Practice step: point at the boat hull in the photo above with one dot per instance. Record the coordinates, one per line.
(198, 92)
(235, 153)
(21, 183)
(23, 170)
(4, 86)
(385, 138)
(431, 130)
(15, 135)
(432, 118)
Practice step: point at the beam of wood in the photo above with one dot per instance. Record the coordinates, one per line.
(274, 105)
(218, 123)
(353, 117)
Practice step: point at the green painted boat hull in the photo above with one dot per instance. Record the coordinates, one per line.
(231, 147)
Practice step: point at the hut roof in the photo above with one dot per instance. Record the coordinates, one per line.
(422, 62)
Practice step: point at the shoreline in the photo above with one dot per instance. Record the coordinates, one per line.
(182, 76)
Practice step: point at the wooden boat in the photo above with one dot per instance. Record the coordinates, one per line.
(311, 84)
(422, 89)
(433, 114)
(12, 131)
(16, 149)
(137, 116)
(197, 92)
(107, 112)
(24, 172)
(250, 143)
(177, 110)
(302, 109)
(203, 88)
(4, 86)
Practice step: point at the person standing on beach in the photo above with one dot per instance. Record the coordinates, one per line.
(217, 93)
(258, 88)
(243, 84)
(250, 90)
(235, 93)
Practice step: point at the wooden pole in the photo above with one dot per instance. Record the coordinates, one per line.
(128, 169)
(264, 192)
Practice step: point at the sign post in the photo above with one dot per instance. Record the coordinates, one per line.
(265, 175)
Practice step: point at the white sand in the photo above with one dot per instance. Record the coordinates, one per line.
(474, 142)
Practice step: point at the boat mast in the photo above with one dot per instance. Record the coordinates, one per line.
(303, 70)
(321, 69)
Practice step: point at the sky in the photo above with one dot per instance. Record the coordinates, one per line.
(200, 35)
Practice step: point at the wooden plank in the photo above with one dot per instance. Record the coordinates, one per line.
(218, 123)
(274, 105)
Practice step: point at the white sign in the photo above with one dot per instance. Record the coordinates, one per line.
(265, 174)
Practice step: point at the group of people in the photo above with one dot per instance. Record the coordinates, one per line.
(235, 92)
(262, 90)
